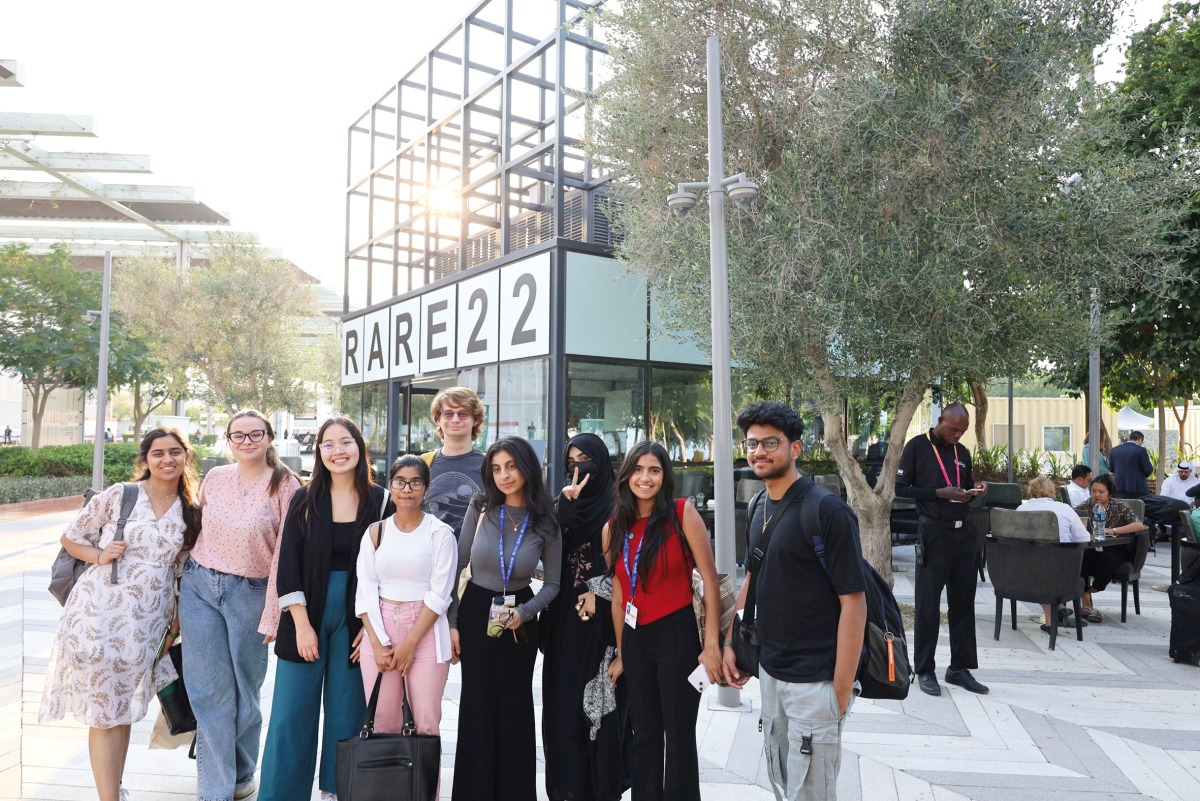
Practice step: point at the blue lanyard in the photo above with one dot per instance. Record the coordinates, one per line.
(632, 570)
(512, 560)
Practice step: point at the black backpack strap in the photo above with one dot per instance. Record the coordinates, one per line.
(797, 488)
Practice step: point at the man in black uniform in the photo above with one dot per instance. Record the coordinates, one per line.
(935, 471)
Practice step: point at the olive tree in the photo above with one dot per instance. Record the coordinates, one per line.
(941, 189)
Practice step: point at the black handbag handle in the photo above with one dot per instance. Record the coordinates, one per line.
(407, 728)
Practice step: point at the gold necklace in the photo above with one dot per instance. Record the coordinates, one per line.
(150, 487)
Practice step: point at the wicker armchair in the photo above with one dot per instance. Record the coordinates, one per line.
(1024, 566)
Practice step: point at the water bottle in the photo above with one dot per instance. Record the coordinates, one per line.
(1098, 520)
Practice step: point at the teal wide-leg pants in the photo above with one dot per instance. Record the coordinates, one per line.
(290, 756)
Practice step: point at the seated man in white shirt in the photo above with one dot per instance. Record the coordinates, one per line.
(1179, 482)
(1070, 528)
(1079, 487)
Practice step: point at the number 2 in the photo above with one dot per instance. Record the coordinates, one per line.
(521, 334)
(475, 344)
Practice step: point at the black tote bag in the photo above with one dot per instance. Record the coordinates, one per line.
(174, 698)
(388, 767)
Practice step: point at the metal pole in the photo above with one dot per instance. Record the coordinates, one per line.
(1010, 430)
(722, 392)
(102, 380)
(1094, 387)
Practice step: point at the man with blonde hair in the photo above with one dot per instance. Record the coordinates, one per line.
(455, 469)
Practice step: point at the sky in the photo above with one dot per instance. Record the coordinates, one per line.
(248, 102)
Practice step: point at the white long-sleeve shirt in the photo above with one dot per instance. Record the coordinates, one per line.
(1070, 527)
(1177, 487)
(418, 565)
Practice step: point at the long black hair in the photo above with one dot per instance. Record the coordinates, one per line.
(322, 480)
(663, 521)
(189, 480)
(537, 499)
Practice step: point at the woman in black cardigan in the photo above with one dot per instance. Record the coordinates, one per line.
(318, 638)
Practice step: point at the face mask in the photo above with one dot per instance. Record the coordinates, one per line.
(585, 469)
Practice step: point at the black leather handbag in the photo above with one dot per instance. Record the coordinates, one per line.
(173, 698)
(388, 767)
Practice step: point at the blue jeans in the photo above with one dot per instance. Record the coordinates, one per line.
(225, 663)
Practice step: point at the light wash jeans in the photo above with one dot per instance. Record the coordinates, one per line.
(224, 665)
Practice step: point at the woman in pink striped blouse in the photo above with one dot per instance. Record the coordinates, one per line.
(227, 604)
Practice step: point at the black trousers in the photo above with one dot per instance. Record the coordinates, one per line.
(950, 564)
(658, 658)
(496, 758)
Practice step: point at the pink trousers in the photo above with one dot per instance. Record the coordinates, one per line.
(426, 677)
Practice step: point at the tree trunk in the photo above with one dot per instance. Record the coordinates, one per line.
(1181, 419)
(36, 409)
(980, 398)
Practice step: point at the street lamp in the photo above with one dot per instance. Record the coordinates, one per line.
(102, 375)
(742, 192)
(1068, 187)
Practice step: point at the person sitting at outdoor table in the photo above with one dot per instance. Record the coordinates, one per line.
(1099, 565)
(1041, 499)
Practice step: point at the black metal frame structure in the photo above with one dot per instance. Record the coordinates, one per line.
(477, 151)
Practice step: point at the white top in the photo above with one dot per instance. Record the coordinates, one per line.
(1070, 527)
(1078, 494)
(1177, 487)
(415, 565)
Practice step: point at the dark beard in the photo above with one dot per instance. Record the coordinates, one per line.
(779, 473)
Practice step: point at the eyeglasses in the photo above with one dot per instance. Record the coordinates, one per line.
(329, 446)
(455, 414)
(414, 484)
(770, 444)
(238, 437)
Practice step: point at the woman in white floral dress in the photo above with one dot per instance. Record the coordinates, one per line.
(103, 667)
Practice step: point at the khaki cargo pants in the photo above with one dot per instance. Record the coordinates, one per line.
(802, 734)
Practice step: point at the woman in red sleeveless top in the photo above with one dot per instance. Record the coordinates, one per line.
(652, 543)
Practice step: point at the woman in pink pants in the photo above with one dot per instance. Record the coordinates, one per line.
(405, 578)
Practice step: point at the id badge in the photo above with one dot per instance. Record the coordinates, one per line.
(631, 615)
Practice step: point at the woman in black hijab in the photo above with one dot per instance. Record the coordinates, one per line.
(583, 717)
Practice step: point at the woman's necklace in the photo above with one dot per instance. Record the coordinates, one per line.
(150, 486)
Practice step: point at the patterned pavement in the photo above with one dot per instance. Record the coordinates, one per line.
(1110, 718)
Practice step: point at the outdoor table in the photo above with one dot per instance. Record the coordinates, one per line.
(1109, 542)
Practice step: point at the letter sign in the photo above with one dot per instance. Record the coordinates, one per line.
(376, 340)
(406, 338)
(437, 336)
(479, 319)
(352, 351)
(525, 308)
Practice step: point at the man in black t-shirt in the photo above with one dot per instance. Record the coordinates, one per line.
(455, 469)
(935, 471)
(811, 617)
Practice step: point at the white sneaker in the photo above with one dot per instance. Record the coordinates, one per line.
(122, 793)
(245, 790)
(328, 796)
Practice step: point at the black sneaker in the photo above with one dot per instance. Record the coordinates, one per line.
(964, 679)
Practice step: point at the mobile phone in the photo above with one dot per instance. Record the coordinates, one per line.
(699, 679)
(975, 491)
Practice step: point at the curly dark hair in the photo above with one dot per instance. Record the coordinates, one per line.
(771, 413)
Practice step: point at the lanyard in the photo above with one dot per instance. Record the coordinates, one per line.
(957, 468)
(632, 569)
(512, 560)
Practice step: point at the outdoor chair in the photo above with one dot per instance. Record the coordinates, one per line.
(831, 480)
(1064, 496)
(1026, 563)
(1189, 543)
(743, 492)
(1130, 573)
(293, 462)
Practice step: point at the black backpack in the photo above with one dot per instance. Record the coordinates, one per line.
(884, 671)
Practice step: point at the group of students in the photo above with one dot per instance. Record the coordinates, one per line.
(352, 581)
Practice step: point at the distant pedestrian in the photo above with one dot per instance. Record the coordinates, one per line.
(935, 471)
(8, 435)
(1131, 467)
(108, 435)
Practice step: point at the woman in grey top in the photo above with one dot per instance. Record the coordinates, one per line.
(493, 626)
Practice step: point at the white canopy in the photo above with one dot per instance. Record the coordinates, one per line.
(1129, 419)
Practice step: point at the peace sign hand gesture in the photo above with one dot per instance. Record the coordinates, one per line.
(572, 490)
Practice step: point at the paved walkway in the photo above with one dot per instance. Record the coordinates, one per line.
(1109, 718)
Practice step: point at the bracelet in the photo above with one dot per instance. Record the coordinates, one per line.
(617, 651)
(727, 643)
(173, 633)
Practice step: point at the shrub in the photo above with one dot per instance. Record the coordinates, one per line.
(62, 461)
(18, 489)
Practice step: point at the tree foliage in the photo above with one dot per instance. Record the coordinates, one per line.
(44, 340)
(233, 324)
(912, 222)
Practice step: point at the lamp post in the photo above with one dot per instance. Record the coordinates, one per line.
(102, 376)
(742, 192)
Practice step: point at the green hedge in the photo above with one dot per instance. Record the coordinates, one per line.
(16, 490)
(62, 461)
